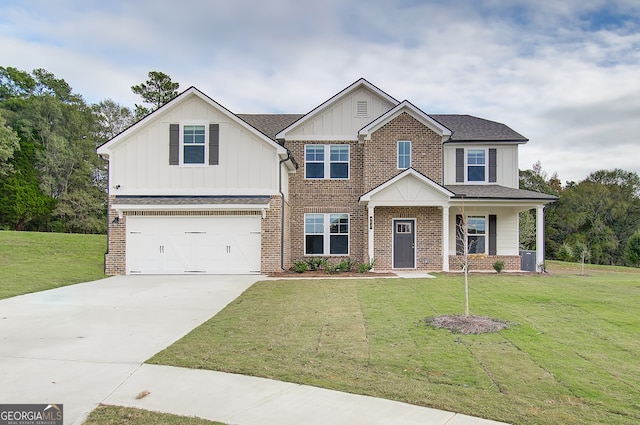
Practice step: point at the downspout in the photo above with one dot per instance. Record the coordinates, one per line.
(104, 262)
(282, 208)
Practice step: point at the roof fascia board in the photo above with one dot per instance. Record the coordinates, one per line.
(191, 91)
(411, 109)
(345, 92)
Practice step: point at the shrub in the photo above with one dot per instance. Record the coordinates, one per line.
(345, 265)
(498, 266)
(316, 263)
(330, 268)
(300, 266)
(365, 267)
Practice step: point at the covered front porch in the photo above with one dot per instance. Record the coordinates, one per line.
(413, 224)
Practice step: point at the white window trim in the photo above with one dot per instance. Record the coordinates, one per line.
(326, 248)
(486, 232)
(398, 154)
(486, 166)
(206, 143)
(327, 162)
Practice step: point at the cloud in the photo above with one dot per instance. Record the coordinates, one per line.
(563, 73)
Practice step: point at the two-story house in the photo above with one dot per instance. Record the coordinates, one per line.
(195, 188)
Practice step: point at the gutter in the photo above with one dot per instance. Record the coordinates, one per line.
(282, 161)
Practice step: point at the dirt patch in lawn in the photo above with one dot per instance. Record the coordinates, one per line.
(467, 324)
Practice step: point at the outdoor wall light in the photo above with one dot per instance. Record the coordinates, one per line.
(115, 221)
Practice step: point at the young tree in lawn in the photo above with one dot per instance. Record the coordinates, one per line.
(156, 91)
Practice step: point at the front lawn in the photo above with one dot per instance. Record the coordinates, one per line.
(115, 415)
(33, 261)
(570, 355)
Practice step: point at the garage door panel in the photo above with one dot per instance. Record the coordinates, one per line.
(175, 245)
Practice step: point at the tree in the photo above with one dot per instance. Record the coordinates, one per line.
(602, 211)
(9, 143)
(156, 91)
(56, 164)
(632, 250)
(112, 119)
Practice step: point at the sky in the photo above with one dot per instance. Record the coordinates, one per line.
(565, 74)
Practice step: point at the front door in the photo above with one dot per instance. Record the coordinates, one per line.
(404, 244)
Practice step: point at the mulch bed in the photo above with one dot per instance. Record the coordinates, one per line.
(467, 324)
(323, 274)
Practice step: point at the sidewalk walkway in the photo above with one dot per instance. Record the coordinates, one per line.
(245, 400)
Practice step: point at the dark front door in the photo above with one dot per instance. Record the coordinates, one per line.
(404, 244)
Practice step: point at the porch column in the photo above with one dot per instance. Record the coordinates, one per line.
(539, 238)
(370, 225)
(445, 238)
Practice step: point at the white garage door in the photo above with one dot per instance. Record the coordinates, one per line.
(208, 245)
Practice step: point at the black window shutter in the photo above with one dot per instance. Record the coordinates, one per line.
(492, 234)
(459, 235)
(492, 165)
(459, 165)
(214, 144)
(174, 144)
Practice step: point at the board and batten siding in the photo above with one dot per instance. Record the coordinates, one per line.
(338, 121)
(506, 163)
(507, 231)
(247, 164)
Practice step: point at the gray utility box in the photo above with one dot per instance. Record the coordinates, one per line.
(528, 262)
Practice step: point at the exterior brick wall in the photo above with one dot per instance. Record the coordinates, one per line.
(428, 236)
(327, 196)
(381, 152)
(271, 237)
(116, 256)
(511, 262)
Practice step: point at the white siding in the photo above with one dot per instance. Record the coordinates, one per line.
(139, 164)
(507, 233)
(338, 121)
(506, 159)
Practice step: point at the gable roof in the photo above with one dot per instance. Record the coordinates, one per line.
(188, 93)
(409, 172)
(467, 128)
(353, 87)
(411, 109)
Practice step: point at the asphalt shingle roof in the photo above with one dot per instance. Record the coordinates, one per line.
(191, 200)
(270, 124)
(470, 128)
(492, 191)
(464, 127)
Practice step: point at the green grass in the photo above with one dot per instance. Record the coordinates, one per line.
(569, 357)
(32, 262)
(115, 415)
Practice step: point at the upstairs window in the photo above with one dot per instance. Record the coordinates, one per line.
(476, 165)
(326, 161)
(404, 154)
(193, 144)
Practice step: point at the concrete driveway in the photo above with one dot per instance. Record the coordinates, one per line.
(75, 345)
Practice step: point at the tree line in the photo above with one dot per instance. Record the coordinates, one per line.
(50, 176)
(596, 220)
(52, 180)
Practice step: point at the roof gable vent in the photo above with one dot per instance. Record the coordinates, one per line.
(362, 108)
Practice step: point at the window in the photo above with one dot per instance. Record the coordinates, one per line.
(193, 144)
(404, 154)
(476, 162)
(477, 230)
(326, 161)
(326, 234)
